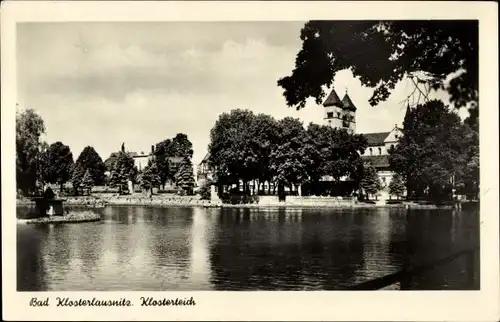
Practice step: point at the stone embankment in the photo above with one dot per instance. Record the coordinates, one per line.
(101, 200)
(70, 217)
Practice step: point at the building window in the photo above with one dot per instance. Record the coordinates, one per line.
(329, 115)
(338, 114)
(371, 151)
(392, 146)
(379, 150)
(383, 179)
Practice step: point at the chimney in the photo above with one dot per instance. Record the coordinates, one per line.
(152, 149)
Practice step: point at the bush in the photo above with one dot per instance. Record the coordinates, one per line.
(205, 192)
(238, 198)
(171, 191)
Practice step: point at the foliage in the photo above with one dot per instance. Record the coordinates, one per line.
(178, 146)
(149, 178)
(288, 158)
(29, 128)
(370, 181)
(58, 163)
(397, 186)
(122, 171)
(205, 192)
(435, 150)
(78, 172)
(382, 53)
(233, 148)
(245, 147)
(90, 160)
(87, 181)
(110, 161)
(185, 176)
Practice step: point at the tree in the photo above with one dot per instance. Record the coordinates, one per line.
(123, 170)
(433, 151)
(162, 154)
(185, 176)
(149, 177)
(41, 164)
(29, 128)
(180, 146)
(288, 158)
(77, 174)
(110, 161)
(59, 163)
(263, 137)
(87, 181)
(397, 186)
(370, 182)
(90, 160)
(433, 54)
(233, 148)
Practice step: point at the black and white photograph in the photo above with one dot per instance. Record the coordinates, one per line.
(250, 155)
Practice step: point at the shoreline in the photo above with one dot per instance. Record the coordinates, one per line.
(188, 201)
(72, 217)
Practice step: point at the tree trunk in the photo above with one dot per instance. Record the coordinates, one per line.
(61, 187)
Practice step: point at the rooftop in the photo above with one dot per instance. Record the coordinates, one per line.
(375, 139)
(348, 104)
(377, 161)
(333, 99)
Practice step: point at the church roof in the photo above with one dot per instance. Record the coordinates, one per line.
(205, 159)
(375, 139)
(348, 104)
(377, 161)
(333, 99)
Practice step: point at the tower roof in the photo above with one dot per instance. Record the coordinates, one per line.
(348, 104)
(333, 99)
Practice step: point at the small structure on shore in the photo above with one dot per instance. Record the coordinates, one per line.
(48, 204)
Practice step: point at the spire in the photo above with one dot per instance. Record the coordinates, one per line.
(407, 115)
(347, 103)
(332, 99)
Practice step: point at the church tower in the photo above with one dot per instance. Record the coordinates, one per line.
(340, 114)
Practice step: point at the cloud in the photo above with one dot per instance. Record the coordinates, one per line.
(141, 83)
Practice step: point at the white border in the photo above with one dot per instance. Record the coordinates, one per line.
(346, 306)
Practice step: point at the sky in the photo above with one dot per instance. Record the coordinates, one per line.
(104, 84)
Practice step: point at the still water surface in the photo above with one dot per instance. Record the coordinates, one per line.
(162, 249)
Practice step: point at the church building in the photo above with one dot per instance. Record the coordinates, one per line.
(342, 114)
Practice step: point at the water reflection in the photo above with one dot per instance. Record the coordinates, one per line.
(148, 248)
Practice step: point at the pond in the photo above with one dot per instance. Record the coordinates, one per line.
(165, 249)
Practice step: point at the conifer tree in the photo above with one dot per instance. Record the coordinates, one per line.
(397, 186)
(370, 182)
(185, 176)
(87, 182)
(77, 176)
(150, 177)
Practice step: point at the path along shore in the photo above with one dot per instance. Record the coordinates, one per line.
(99, 201)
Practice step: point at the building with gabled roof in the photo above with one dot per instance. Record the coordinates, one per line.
(340, 114)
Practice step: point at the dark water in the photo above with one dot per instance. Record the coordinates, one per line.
(144, 248)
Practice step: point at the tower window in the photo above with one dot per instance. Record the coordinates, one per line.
(329, 115)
